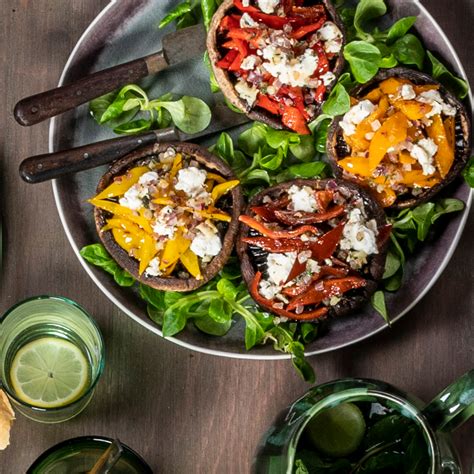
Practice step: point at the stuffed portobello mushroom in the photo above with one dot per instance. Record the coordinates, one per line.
(404, 138)
(312, 248)
(277, 60)
(168, 214)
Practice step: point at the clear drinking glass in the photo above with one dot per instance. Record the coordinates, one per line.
(79, 455)
(51, 357)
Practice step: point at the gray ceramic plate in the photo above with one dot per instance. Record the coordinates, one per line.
(125, 30)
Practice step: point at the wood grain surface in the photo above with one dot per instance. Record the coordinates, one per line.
(187, 412)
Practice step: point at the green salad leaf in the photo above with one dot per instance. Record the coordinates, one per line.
(378, 303)
(441, 73)
(409, 50)
(366, 11)
(400, 28)
(364, 59)
(468, 173)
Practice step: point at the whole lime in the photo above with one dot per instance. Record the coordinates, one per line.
(337, 431)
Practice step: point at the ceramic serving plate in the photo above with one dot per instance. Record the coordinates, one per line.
(127, 29)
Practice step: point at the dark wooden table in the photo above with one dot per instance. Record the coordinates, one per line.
(187, 412)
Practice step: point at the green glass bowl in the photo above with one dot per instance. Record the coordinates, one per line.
(78, 456)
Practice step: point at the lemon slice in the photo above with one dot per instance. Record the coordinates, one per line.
(49, 373)
(337, 431)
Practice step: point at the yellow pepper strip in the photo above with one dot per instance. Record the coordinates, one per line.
(174, 248)
(125, 240)
(170, 269)
(124, 224)
(190, 261)
(218, 216)
(449, 126)
(223, 188)
(122, 211)
(177, 165)
(146, 252)
(445, 156)
(356, 165)
(413, 109)
(391, 85)
(216, 177)
(406, 159)
(123, 183)
(374, 95)
(417, 178)
(386, 197)
(163, 201)
(209, 185)
(392, 132)
(425, 88)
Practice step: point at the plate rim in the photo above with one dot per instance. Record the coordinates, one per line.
(250, 355)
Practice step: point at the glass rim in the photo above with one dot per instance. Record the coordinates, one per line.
(65, 443)
(100, 368)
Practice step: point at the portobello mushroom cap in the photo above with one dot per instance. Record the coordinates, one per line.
(233, 205)
(226, 82)
(337, 147)
(251, 263)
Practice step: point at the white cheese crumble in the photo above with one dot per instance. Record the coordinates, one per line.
(246, 91)
(165, 224)
(423, 152)
(302, 199)
(407, 92)
(207, 242)
(268, 6)
(268, 290)
(357, 236)
(191, 180)
(312, 266)
(279, 266)
(250, 62)
(356, 114)
(131, 198)
(148, 178)
(246, 21)
(153, 268)
(295, 72)
(331, 36)
(328, 78)
(433, 98)
(375, 125)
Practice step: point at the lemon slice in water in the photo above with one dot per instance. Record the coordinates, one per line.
(337, 431)
(49, 373)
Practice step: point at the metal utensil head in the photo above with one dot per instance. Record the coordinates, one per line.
(184, 44)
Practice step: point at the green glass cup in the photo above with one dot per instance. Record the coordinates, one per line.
(51, 357)
(279, 447)
(79, 455)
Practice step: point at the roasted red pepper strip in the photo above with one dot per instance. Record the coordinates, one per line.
(325, 246)
(294, 120)
(265, 212)
(297, 269)
(311, 13)
(300, 217)
(319, 93)
(228, 59)
(277, 245)
(312, 315)
(384, 235)
(229, 22)
(304, 30)
(323, 62)
(276, 234)
(323, 199)
(272, 21)
(327, 289)
(266, 103)
(235, 66)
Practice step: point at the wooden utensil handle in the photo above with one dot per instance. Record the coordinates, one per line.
(37, 169)
(39, 107)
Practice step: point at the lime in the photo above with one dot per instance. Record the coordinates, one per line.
(49, 372)
(337, 431)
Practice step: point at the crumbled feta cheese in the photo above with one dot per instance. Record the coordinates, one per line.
(166, 221)
(331, 36)
(302, 199)
(304, 256)
(369, 136)
(268, 6)
(250, 62)
(433, 98)
(131, 198)
(312, 266)
(246, 3)
(295, 72)
(207, 242)
(357, 236)
(356, 114)
(328, 78)
(268, 290)
(167, 156)
(375, 125)
(279, 266)
(246, 21)
(191, 180)
(407, 92)
(153, 268)
(423, 152)
(246, 91)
